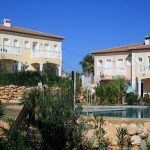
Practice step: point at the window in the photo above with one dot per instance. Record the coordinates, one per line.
(6, 41)
(46, 47)
(34, 46)
(120, 63)
(56, 47)
(108, 63)
(16, 43)
(100, 63)
(26, 44)
(139, 60)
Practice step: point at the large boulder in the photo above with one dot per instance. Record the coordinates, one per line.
(147, 125)
(124, 125)
(111, 131)
(132, 129)
(136, 140)
(4, 124)
(135, 147)
(89, 134)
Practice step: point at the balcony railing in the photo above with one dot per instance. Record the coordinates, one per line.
(111, 71)
(10, 49)
(46, 54)
(144, 68)
(104, 71)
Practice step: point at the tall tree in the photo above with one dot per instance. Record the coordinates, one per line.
(87, 64)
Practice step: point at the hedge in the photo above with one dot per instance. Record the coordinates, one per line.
(28, 78)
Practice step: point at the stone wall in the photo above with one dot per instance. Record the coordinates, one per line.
(138, 130)
(11, 93)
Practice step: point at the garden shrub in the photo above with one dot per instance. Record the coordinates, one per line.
(112, 92)
(131, 98)
(56, 118)
(28, 78)
(146, 99)
(124, 140)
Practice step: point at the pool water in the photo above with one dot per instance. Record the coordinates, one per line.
(120, 111)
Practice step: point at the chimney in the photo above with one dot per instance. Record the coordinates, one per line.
(7, 22)
(147, 40)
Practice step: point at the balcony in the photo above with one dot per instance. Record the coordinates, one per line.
(10, 49)
(111, 71)
(144, 69)
(46, 54)
(104, 71)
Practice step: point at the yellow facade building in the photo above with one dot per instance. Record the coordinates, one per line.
(131, 61)
(24, 49)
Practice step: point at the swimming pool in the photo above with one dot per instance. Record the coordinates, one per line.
(118, 111)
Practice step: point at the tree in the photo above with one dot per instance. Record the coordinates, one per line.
(112, 91)
(87, 64)
(120, 86)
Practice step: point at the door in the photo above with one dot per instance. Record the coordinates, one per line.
(141, 89)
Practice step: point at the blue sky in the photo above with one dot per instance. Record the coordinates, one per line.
(86, 24)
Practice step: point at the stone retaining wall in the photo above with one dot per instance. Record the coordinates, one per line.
(138, 130)
(11, 93)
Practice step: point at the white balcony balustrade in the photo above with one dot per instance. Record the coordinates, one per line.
(144, 69)
(111, 71)
(46, 54)
(104, 71)
(10, 49)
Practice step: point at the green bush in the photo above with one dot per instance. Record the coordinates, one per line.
(146, 99)
(55, 117)
(105, 92)
(28, 78)
(112, 92)
(131, 98)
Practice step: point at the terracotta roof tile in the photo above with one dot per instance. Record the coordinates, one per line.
(125, 48)
(29, 32)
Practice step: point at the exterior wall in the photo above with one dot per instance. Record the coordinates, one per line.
(146, 86)
(110, 73)
(137, 72)
(141, 71)
(26, 54)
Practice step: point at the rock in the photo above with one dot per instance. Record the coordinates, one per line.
(6, 97)
(4, 125)
(140, 128)
(117, 125)
(147, 125)
(144, 134)
(143, 145)
(89, 134)
(12, 86)
(2, 88)
(113, 147)
(14, 101)
(136, 140)
(92, 118)
(124, 125)
(135, 147)
(132, 129)
(111, 134)
(91, 124)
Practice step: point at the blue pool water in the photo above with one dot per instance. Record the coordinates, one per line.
(118, 111)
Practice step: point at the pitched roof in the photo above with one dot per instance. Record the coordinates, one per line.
(125, 48)
(29, 32)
